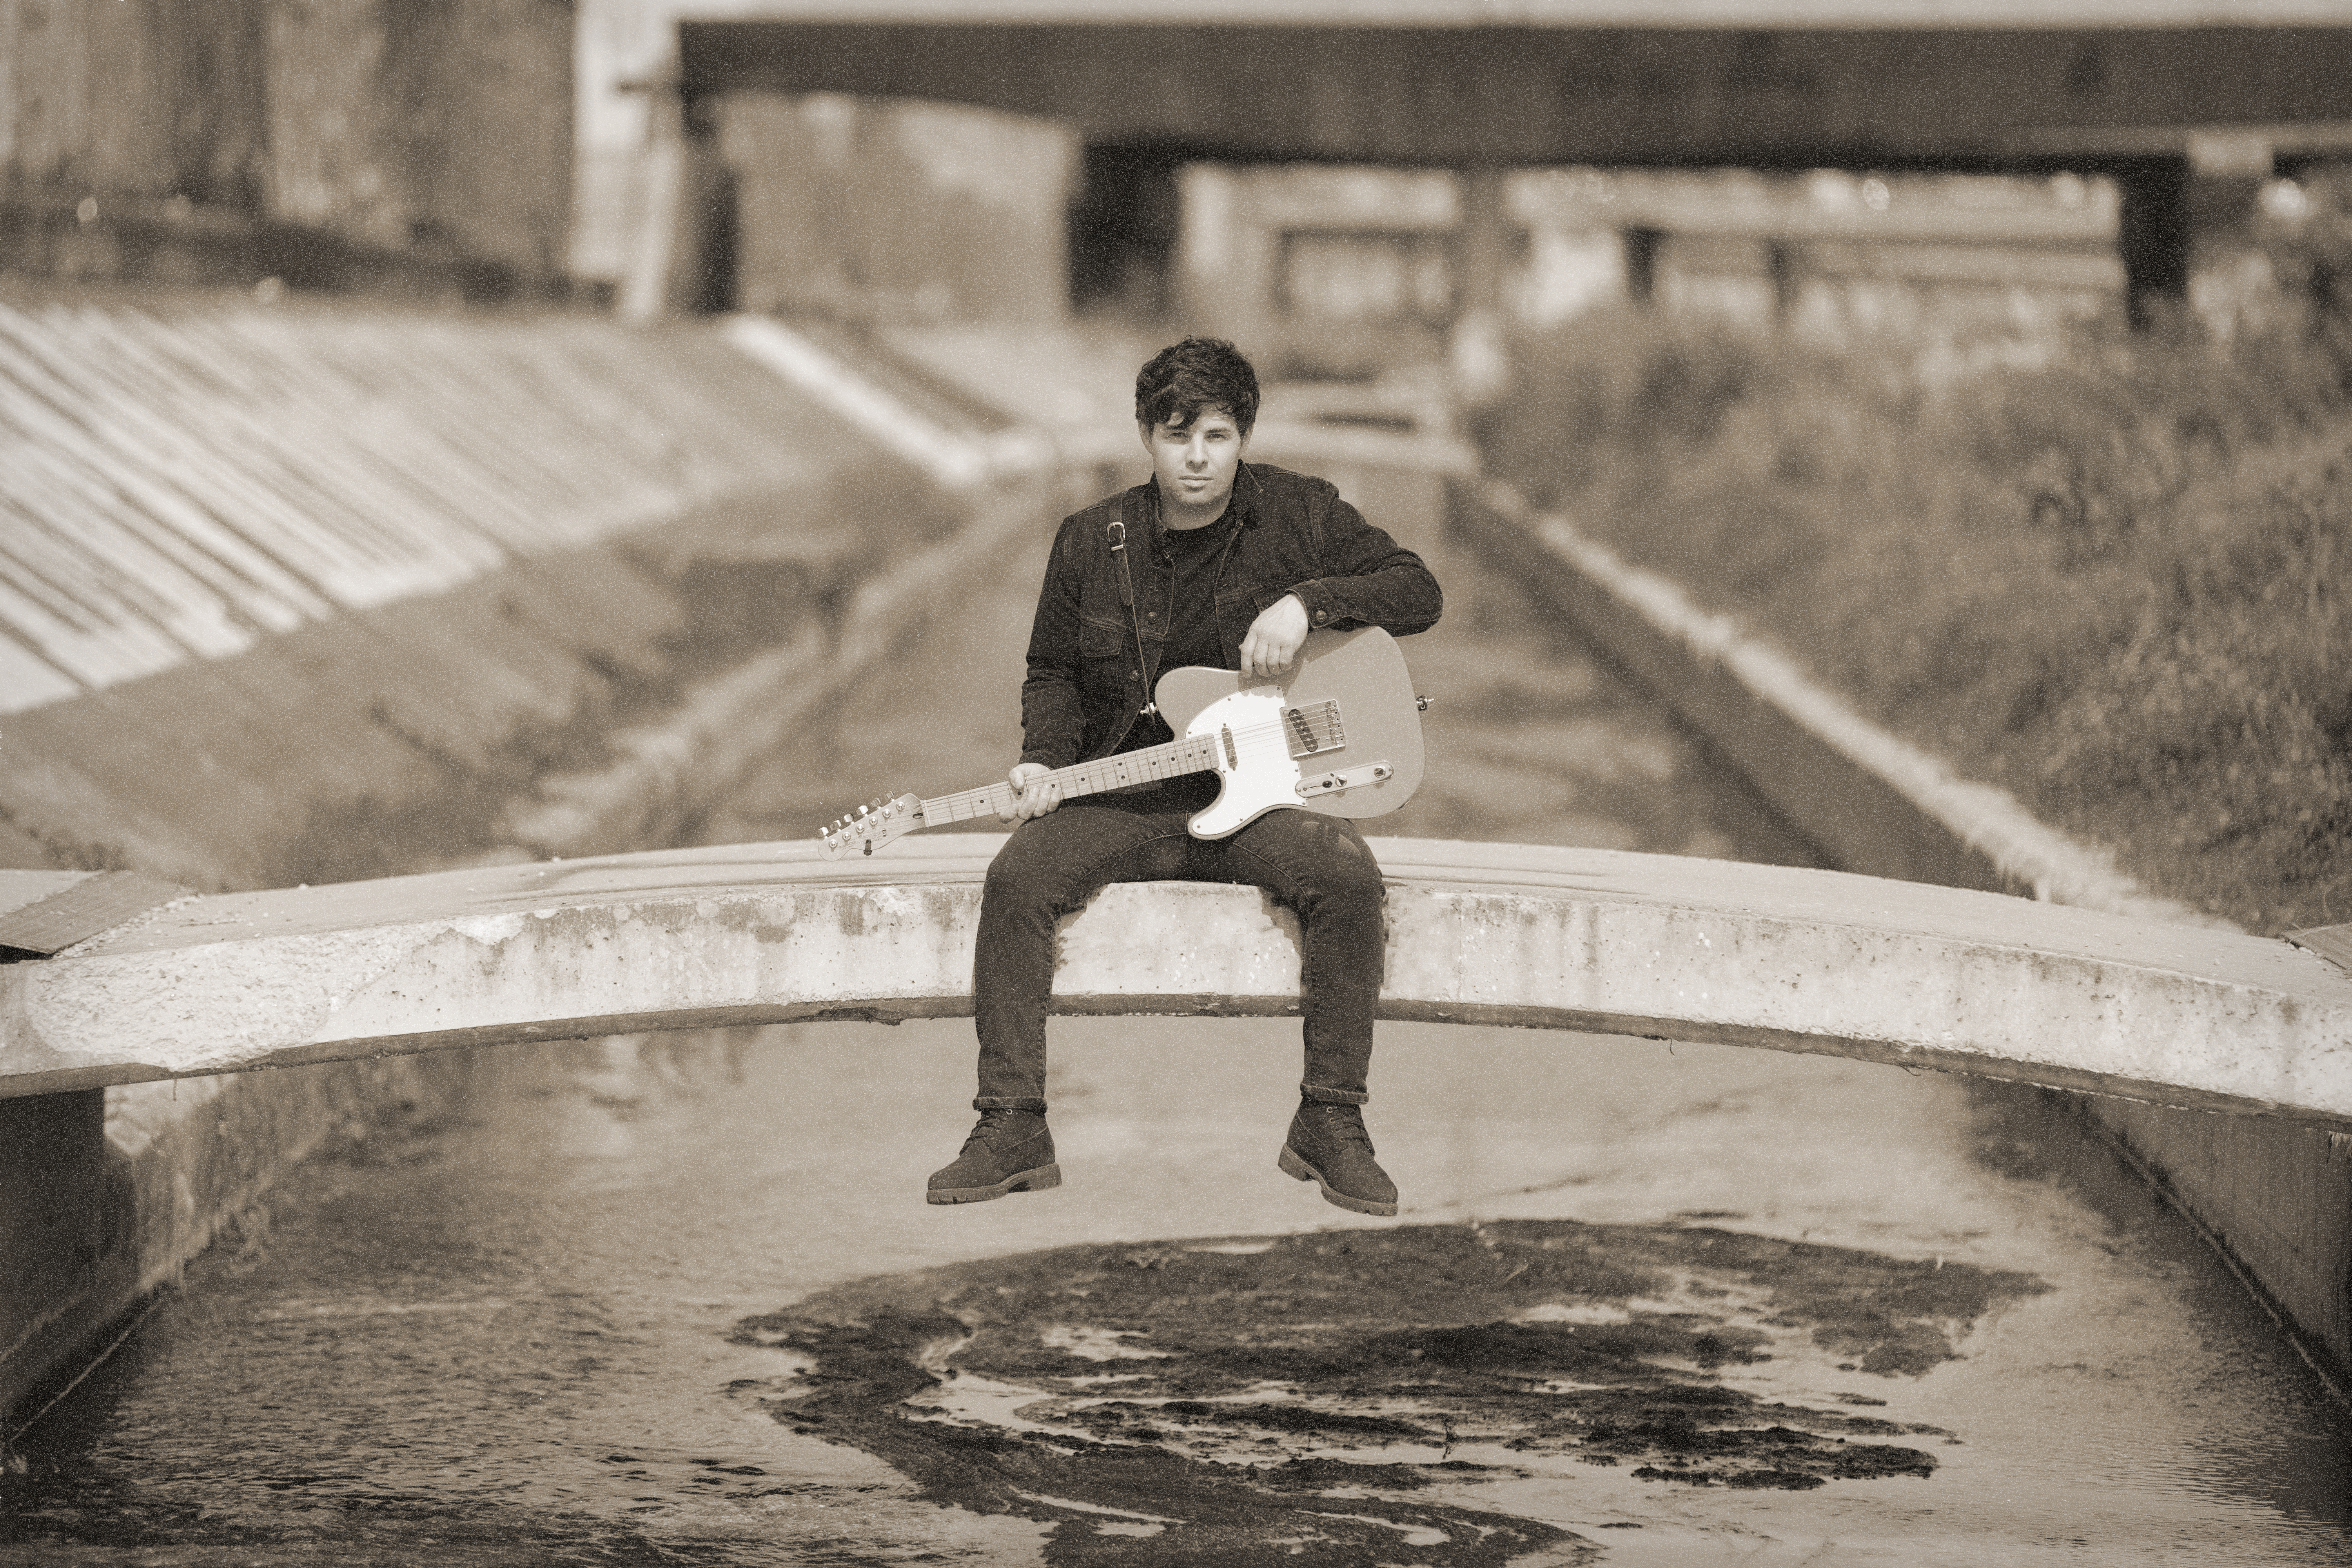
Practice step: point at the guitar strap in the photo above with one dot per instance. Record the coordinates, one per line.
(1117, 532)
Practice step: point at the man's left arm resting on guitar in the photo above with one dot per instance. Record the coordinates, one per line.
(1372, 580)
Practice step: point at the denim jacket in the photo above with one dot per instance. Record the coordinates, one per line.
(1087, 677)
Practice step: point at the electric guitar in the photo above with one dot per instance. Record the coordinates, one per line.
(1341, 733)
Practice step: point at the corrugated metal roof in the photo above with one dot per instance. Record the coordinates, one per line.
(175, 485)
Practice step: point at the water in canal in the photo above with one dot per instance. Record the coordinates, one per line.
(676, 1299)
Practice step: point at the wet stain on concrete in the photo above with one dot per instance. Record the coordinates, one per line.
(1283, 1399)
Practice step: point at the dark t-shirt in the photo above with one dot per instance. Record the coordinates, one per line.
(1191, 613)
(1192, 609)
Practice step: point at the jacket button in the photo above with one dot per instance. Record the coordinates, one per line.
(1135, 675)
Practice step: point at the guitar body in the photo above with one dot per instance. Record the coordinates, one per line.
(1362, 671)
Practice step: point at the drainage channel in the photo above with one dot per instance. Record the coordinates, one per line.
(676, 1299)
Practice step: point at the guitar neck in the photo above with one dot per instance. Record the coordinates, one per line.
(1190, 754)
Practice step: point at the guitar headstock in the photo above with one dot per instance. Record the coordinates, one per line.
(871, 827)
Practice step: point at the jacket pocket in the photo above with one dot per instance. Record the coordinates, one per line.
(1103, 671)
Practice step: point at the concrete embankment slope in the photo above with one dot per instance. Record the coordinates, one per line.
(283, 588)
(2275, 1196)
(312, 591)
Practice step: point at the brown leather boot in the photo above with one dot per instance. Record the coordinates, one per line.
(1328, 1145)
(1008, 1152)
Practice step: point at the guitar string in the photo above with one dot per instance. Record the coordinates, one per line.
(1322, 717)
(1323, 722)
(1193, 753)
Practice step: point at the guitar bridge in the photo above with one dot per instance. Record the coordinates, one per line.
(1314, 727)
(1342, 779)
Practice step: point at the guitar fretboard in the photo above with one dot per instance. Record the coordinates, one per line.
(1308, 728)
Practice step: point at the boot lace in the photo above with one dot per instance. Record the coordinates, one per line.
(1343, 1124)
(984, 1131)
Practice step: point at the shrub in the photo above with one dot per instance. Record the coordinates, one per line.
(2116, 585)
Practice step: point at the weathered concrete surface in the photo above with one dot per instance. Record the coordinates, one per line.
(366, 571)
(662, 775)
(1549, 938)
(2276, 1196)
(52, 1228)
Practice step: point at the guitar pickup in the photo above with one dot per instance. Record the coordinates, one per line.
(1343, 778)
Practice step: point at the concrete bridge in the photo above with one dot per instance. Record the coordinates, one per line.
(1489, 933)
(1457, 83)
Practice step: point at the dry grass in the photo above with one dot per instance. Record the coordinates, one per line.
(2120, 587)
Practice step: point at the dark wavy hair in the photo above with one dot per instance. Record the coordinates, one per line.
(1186, 380)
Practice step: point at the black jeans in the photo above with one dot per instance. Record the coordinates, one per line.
(1319, 866)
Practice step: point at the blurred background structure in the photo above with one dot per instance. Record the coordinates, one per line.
(1354, 178)
(1178, 142)
(411, 146)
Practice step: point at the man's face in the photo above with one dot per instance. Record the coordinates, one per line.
(1195, 464)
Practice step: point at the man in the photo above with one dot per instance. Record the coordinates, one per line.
(1215, 562)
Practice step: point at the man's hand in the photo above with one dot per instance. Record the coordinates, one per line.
(1032, 794)
(1273, 640)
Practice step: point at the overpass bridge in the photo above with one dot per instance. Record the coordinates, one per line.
(1585, 940)
(1580, 81)
(2187, 105)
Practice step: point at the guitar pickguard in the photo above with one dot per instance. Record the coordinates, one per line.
(1256, 766)
(1374, 717)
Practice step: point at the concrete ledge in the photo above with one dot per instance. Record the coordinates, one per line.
(1875, 802)
(1548, 938)
(728, 725)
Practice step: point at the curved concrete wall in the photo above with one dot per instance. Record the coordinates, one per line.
(1518, 934)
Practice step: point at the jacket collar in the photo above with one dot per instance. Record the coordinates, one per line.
(1247, 488)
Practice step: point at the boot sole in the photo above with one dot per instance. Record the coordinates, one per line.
(1037, 1181)
(1292, 1165)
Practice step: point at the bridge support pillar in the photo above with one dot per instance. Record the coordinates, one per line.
(53, 1232)
(2183, 216)
(2152, 237)
(1480, 365)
